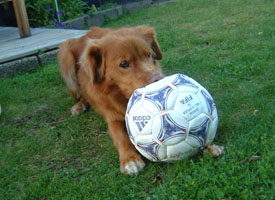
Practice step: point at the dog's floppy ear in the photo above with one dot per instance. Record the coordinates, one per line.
(150, 36)
(92, 61)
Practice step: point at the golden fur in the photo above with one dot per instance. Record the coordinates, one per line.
(102, 69)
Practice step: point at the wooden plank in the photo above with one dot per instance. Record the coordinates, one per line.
(42, 39)
(38, 44)
(21, 18)
(8, 33)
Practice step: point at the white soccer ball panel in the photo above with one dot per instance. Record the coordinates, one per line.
(187, 89)
(179, 137)
(150, 107)
(213, 126)
(171, 79)
(199, 126)
(204, 104)
(178, 119)
(180, 151)
(198, 121)
(136, 106)
(171, 100)
(157, 126)
(207, 101)
(140, 91)
(157, 85)
(142, 121)
(214, 112)
(188, 105)
(144, 139)
(162, 152)
(193, 141)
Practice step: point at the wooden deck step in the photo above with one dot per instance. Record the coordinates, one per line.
(42, 39)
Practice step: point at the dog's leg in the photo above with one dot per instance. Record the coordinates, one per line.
(80, 107)
(73, 94)
(215, 150)
(130, 160)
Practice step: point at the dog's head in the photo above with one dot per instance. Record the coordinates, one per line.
(126, 58)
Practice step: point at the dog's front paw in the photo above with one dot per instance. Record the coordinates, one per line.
(78, 108)
(215, 150)
(132, 165)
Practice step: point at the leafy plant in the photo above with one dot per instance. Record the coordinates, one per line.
(106, 6)
(44, 12)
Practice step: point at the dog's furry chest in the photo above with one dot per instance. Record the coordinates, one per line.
(107, 101)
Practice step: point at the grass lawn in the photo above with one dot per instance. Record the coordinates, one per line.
(228, 46)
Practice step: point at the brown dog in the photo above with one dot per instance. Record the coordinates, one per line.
(102, 69)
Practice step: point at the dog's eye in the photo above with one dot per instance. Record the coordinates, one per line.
(124, 64)
(149, 55)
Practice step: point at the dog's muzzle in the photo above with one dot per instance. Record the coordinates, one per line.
(156, 76)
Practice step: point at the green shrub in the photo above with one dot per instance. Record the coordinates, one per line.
(44, 13)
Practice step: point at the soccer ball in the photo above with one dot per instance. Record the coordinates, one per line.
(171, 119)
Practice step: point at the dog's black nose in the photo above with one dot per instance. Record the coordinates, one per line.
(156, 76)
